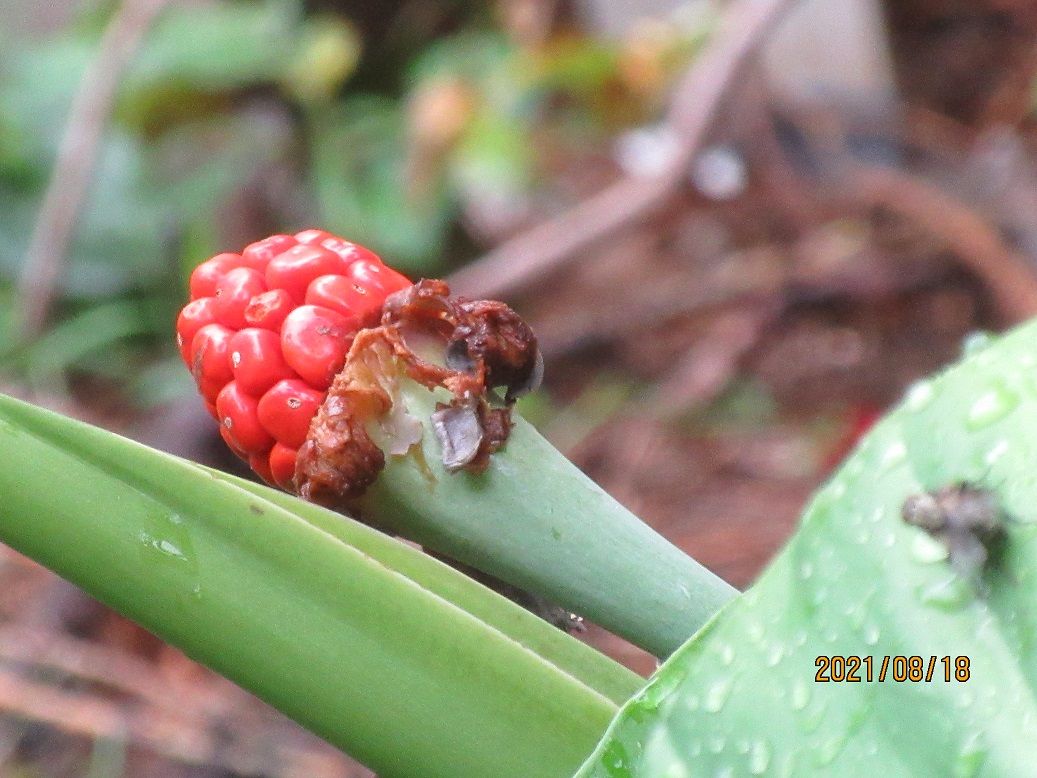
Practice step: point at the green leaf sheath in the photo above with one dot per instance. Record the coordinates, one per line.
(534, 520)
(327, 631)
(856, 580)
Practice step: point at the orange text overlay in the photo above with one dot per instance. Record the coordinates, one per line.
(901, 669)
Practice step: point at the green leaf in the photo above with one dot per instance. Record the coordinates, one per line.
(146, 191)
(494, 157)
(359, 175)
(326, 55)
(473, 56)
(84, 334)
(576, 658)
(856, 580)
(350, 634)
(217, 46)
(581, 66)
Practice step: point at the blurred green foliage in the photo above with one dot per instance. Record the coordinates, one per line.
(239, 119)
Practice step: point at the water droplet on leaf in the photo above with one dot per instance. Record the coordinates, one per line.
(991, 406)
(975, 342)
(970, 756)
(759, 757)
(947, 593)
(800, 695)
(894, 454)
(716, 695)
(996, 452)
(927, 549)
(919, 395)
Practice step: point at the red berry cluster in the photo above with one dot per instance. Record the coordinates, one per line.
(267, 330)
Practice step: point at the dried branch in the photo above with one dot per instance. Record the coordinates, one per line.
(709, 366)
(170, 735)
(77, 156)
(1010, 276)
(87, 661)
(526, 258)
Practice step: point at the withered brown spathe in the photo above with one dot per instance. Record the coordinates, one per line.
(485, 345)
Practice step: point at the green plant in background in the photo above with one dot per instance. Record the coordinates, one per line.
(264, 116)
(176, 145)
(419, 671)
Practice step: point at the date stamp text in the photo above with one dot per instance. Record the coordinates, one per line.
(901, 669)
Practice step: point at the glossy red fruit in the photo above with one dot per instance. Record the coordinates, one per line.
(376, 279)
(195, 315)
(282, 466)
(238, 415)
(258, 255)
(294, 269)
(268, 310)
(286, 410)
(267, 330)
(350, 252)
(232, 444)
(260, 464)
(313, 236)
(315, 341)
(257, 361)
(233, 294)
(210, 359)
(342, 294)
(208, 274)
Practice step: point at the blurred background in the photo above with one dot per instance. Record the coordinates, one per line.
(741, 230)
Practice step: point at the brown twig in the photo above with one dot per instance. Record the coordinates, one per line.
(76, 159)
(526, 258)
(173, 736)
(1010, 276)
(87, 661)
(709, 366)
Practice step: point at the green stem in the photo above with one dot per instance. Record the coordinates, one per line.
(328, 631)
(534, 520)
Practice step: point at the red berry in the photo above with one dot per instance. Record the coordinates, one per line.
(238, 415)
(282, 466)
(260, 463)
(210, 359)
(344, 295)
(268, 310)
(312, 236)
(266, 332)
(232, 444)
(294, 269)
(315, 341)
(208, 274)
(233, 294)
(257, 361)
(258, 255)
(350, 252)
(286, 410)
(193, 317)
(377, 279)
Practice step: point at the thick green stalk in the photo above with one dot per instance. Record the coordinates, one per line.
(534, 520)
(325, 630)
